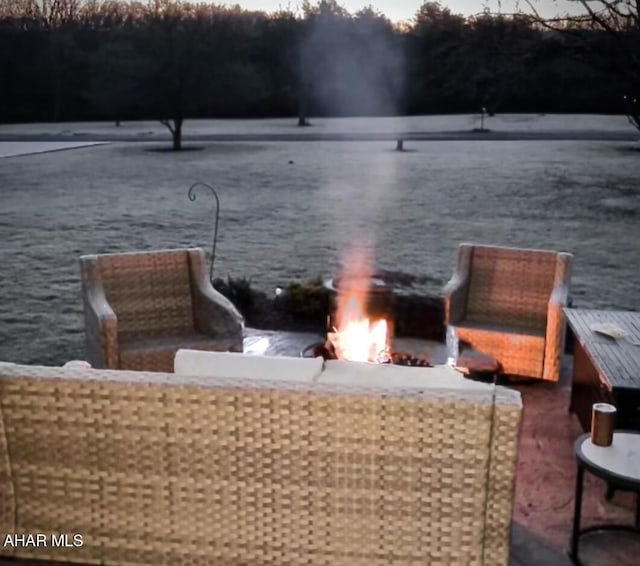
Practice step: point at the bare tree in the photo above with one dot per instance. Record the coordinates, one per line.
(609, 33)
(52, 13)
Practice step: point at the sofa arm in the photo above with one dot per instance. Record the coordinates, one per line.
(101, 330)
(555, 336)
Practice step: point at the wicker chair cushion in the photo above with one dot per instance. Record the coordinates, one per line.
(151, 293)
(511, 288)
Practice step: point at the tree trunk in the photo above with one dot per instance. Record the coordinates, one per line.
(633, 109)
(174, 125)
(303, 98)
(302, 110)
(177, 134)
(303, 88)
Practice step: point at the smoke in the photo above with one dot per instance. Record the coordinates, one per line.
(352, 66)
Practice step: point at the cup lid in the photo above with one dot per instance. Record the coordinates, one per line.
(604, 407)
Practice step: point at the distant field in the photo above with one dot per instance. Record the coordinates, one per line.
(281, 221)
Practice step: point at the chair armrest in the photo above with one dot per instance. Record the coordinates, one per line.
(559, 296)
(455, 296)
(456, 290)
(214, 314)
(101, 330)
(555, 335)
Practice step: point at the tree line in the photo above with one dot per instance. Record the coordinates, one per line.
(173, 60)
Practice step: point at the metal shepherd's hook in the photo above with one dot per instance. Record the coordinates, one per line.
(192, 197)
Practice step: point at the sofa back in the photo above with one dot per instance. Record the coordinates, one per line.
(161, 468)
(150, 292)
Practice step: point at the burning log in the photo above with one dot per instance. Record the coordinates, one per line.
(360, 323)
(405, 359)
(327, 351)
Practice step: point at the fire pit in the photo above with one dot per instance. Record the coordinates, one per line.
(360, 324)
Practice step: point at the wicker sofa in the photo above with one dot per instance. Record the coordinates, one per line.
(333, 463)
(507, 303)
(141, 307)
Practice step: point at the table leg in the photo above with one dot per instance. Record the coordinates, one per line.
(638, 510)
(577, 511)
(586, 387)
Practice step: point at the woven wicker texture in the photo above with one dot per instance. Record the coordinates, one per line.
(510, 287)
(152, 470)
(140, 308)
(150, 292)
(507, 303)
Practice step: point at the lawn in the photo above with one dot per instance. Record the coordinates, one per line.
(290, 210)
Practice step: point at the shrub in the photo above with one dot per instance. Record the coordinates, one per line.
(308, 300)
(239, 292)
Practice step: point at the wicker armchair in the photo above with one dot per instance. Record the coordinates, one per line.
(507, 303)
(141, 307)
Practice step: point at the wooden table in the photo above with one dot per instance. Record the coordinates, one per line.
(605, 370)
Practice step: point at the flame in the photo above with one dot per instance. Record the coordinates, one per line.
(358, 338)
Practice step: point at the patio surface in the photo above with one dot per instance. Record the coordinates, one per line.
(543, 509)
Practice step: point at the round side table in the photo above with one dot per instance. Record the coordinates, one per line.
(618, 465)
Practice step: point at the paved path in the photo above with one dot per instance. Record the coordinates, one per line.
(567, 135)
(457, 127)
(13, 148)
(14, 144)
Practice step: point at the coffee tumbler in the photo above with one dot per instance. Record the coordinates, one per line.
(603, 420)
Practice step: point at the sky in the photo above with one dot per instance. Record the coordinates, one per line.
(402, 10)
